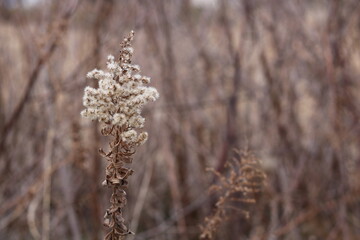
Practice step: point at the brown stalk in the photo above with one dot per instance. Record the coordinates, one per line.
(116, 178)
(117, 173)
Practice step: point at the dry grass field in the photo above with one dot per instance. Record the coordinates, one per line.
(278, 80)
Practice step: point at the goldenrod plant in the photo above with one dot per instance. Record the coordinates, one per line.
(117, 104)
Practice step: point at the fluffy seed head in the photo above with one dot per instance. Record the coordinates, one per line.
(121, 95)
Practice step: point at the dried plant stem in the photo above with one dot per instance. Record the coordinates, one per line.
(145, 184)
(47, 186)
(116, 178)
(31, 217)
(117, 103)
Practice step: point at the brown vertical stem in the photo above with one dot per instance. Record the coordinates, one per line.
(231, 139)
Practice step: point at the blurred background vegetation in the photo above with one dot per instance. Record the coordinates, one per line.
(279, 77)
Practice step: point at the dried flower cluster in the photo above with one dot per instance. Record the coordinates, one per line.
(117, 103)
(238, 188)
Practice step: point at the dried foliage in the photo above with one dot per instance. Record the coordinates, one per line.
(117, 103)
(116, 178)
(282, 74)
(236, 190)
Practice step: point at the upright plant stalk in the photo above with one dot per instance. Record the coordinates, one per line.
(117, 104)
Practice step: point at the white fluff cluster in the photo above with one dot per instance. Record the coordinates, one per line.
(120, 96)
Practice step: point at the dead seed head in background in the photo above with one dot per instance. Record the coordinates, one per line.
(117, 104)
(242, 179)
